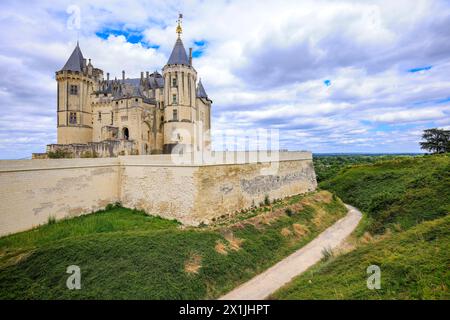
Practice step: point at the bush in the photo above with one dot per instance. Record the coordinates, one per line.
(266, 200)
(289, 212)
(114, 205)
(59, 154)
(51, 220)
(327, 254)
(89, 154)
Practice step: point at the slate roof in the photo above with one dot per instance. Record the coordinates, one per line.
(201, 93)
(178, 55)
(76, 60)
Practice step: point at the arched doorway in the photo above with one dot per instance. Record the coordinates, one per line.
(125, 133)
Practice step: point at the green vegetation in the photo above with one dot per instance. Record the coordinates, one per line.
(405, 231)
(59, 154)
(414, 265)
(89, 154)
(126, 254)
(328, 166)
(436, 140)
(396, 194)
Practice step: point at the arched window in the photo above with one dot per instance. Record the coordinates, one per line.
(125, 133)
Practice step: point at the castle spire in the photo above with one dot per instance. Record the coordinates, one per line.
(178, 55)
(179, 28)
(75, 62)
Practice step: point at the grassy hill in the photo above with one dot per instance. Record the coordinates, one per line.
(405, 231)
(396, 194)
(414, 265)
(125, 254)
(329, 166)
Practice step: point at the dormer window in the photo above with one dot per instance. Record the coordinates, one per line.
(74, 90)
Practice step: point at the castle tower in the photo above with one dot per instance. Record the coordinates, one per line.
(74, 112)
(180, 112)
(203, 104)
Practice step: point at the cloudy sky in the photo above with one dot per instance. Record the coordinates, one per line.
(331, 76)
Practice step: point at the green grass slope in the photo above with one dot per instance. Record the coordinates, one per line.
(414, 265)
(125, 254)
(405, 231)
(328, 166)
(396, 194)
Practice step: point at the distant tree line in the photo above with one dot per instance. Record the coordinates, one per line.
(436, 140)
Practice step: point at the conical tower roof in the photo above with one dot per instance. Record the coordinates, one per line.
(178, 55)
(201, 93)
(75, 62)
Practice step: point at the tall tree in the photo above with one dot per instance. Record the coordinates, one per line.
(436, 140)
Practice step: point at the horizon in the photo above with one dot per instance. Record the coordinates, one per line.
(334, 78)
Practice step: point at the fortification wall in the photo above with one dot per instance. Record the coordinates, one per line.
(190, 191)
(31, 191)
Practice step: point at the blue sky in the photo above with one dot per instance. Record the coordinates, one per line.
(331, 76)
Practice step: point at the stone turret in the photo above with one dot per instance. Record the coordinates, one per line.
(74, 113)
(180, 111)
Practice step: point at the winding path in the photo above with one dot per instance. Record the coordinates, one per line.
(266, 283)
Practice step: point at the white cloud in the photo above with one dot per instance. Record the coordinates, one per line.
(412, 115)
(264, 64)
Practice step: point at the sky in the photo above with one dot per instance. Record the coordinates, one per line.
(330, 76)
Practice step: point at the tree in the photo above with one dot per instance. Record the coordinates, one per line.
(436, 140)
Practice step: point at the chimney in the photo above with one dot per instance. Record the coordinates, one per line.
(142, 75)
(190, 56)
(107, 76)
(147, 75)
(123, 76)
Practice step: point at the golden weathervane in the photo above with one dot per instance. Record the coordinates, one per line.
(179, 29)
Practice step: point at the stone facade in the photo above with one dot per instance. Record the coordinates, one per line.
(155, 112)
(34, 190)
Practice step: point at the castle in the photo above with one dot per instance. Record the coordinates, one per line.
(156, 113)
(127, 124)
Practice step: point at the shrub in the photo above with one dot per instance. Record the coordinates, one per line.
(266, 200)
(115, 205)
(89, 154)
(327, 254)
(59, 154)
(289, 212)
(51, 220)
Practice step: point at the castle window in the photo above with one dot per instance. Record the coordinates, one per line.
(99, 116)
(73, 118)
(174, 82)
(174, 99)
(125, 133)
(74, 90)
(175, 115)
(137, 100)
